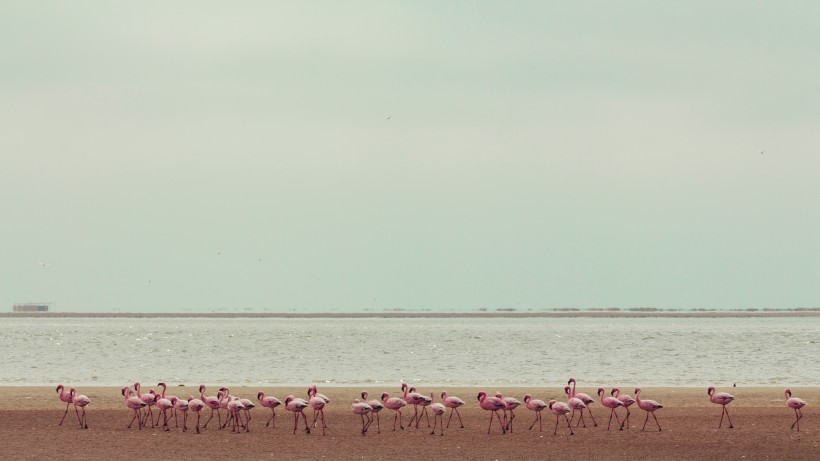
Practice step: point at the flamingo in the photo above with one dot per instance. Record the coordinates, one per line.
(269, 402)
(82, 401)
(133, 403)
(795, 404)
(627, 401)
(150, 400)
(66, 397)
(492, 404)
(510, 404)
(395, 404)
(584, 398)
(169, 397)
(649, 406)
(575, 404)
(247, 405)
(318, 405)
(180, 405)
(212, 403)
(375, 407)
(721, 398)
(438, 410)
(612, 403)
(415, 399)
(297, 406)
(559, 409)
(452, 402)
(234, 408)
(426, 402)
(164, 404)
(196, 405)
(537, 406)
(362, 408)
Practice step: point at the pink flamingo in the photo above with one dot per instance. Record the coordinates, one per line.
(395, 404)
(452, 402)
(169, 397)
(180, 406)
(438, 410)
(627, 401)
(510, 404)
(297, 406)
(234, 408)
(560, 409)
(492, 404)
(247, 406)
(269, 402)
(196, 405)
(133, 403)
(362, 408)
(612, 403)
(318, 405)
(795, 404)
(537, 406)
(212, 403)
(649, 406)
(415, 399)
(426, 402)
(150, 400)
(375, 407)
(721, 398)
(164, 404)
(83, 401)
(575, 404)
(66, 397)
(584, 398)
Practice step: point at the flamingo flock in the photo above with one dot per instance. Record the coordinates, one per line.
(237, 410)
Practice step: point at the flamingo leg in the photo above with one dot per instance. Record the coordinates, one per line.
(85, 421)
(534, 420)
(503, 429)
(184, 422)
(66, 412)
(555, 432)
(378, 423)
(512, 417)
(626, 420)
(79, 420)
(647, 419)
(198, 414)
(589, 410)
(569, 426)
(656, 421)
(721, 417)
(428, 417)
(304, 417)
(132, 420)
(269, 420)
(731, 426)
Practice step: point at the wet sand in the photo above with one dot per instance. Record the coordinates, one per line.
(30, 416)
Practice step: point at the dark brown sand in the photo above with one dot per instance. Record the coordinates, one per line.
(30, 415)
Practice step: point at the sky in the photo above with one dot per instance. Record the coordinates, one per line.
(460, 155)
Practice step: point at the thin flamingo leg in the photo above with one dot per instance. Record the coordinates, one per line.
(569, 426)
(589, 410)
(197, 421)
(647, 419)
(656, 421)
(66, 412)
(728, 417)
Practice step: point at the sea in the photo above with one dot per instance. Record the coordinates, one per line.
(376, 351)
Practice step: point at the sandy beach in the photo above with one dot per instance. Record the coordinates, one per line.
(30, 417)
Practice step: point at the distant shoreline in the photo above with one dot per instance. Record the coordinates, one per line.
(421, 315)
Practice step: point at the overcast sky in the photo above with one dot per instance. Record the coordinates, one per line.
(421, 155)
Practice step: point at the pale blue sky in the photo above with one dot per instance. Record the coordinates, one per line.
(212, 155)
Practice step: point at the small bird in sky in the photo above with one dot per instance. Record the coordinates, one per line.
(388, 117)
(761, 152)
(42, 264)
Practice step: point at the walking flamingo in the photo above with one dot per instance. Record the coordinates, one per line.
(575, 404)
(212, 403)
(297, 406)
(795, 404)
(247, 406)
(627, 401)
(66, 397)
(318, 404)
(234, 408)
(584, 398)
(150, 400)
(82, 401)
(269, 402)
(492, 404)
(415, 399)
(133, 403)
(537, 406)
(196, 405)
(375, 407)
(560, 409)
(438, 410)
(361, 408)
(180, 406)
(510, 404)
(612, 403)
(649, 406)
(723, 399)
(395, 404)
(453, 403)
(426, 402)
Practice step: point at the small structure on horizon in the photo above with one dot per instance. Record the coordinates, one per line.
(31, 307)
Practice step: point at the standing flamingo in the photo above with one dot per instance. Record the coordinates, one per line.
(575, 404)
(584, 398)
(612, 403)
(318, 404)
(425, 402)
(723, 399)
(510, 404)
(66, 397)
(297, 406)
(560, 409)
(196, 405)
(452, 402)
(133, 403)
(537, 406)
(164, 405)
(362, 408)
(438, 410)
(247, 406)
(234, 408)
(395, 404)
(82, 401)
(375, 407)
(627, 401)
(649, 406)
(150, 400)
(269, 402)
(415, 399)
(180, 406)
(211, 402)
(492, 404)
(795, 404)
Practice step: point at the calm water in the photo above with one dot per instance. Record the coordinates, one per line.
(502, 352)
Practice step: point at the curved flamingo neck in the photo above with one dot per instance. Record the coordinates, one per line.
(164, 386)
(572, 390)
